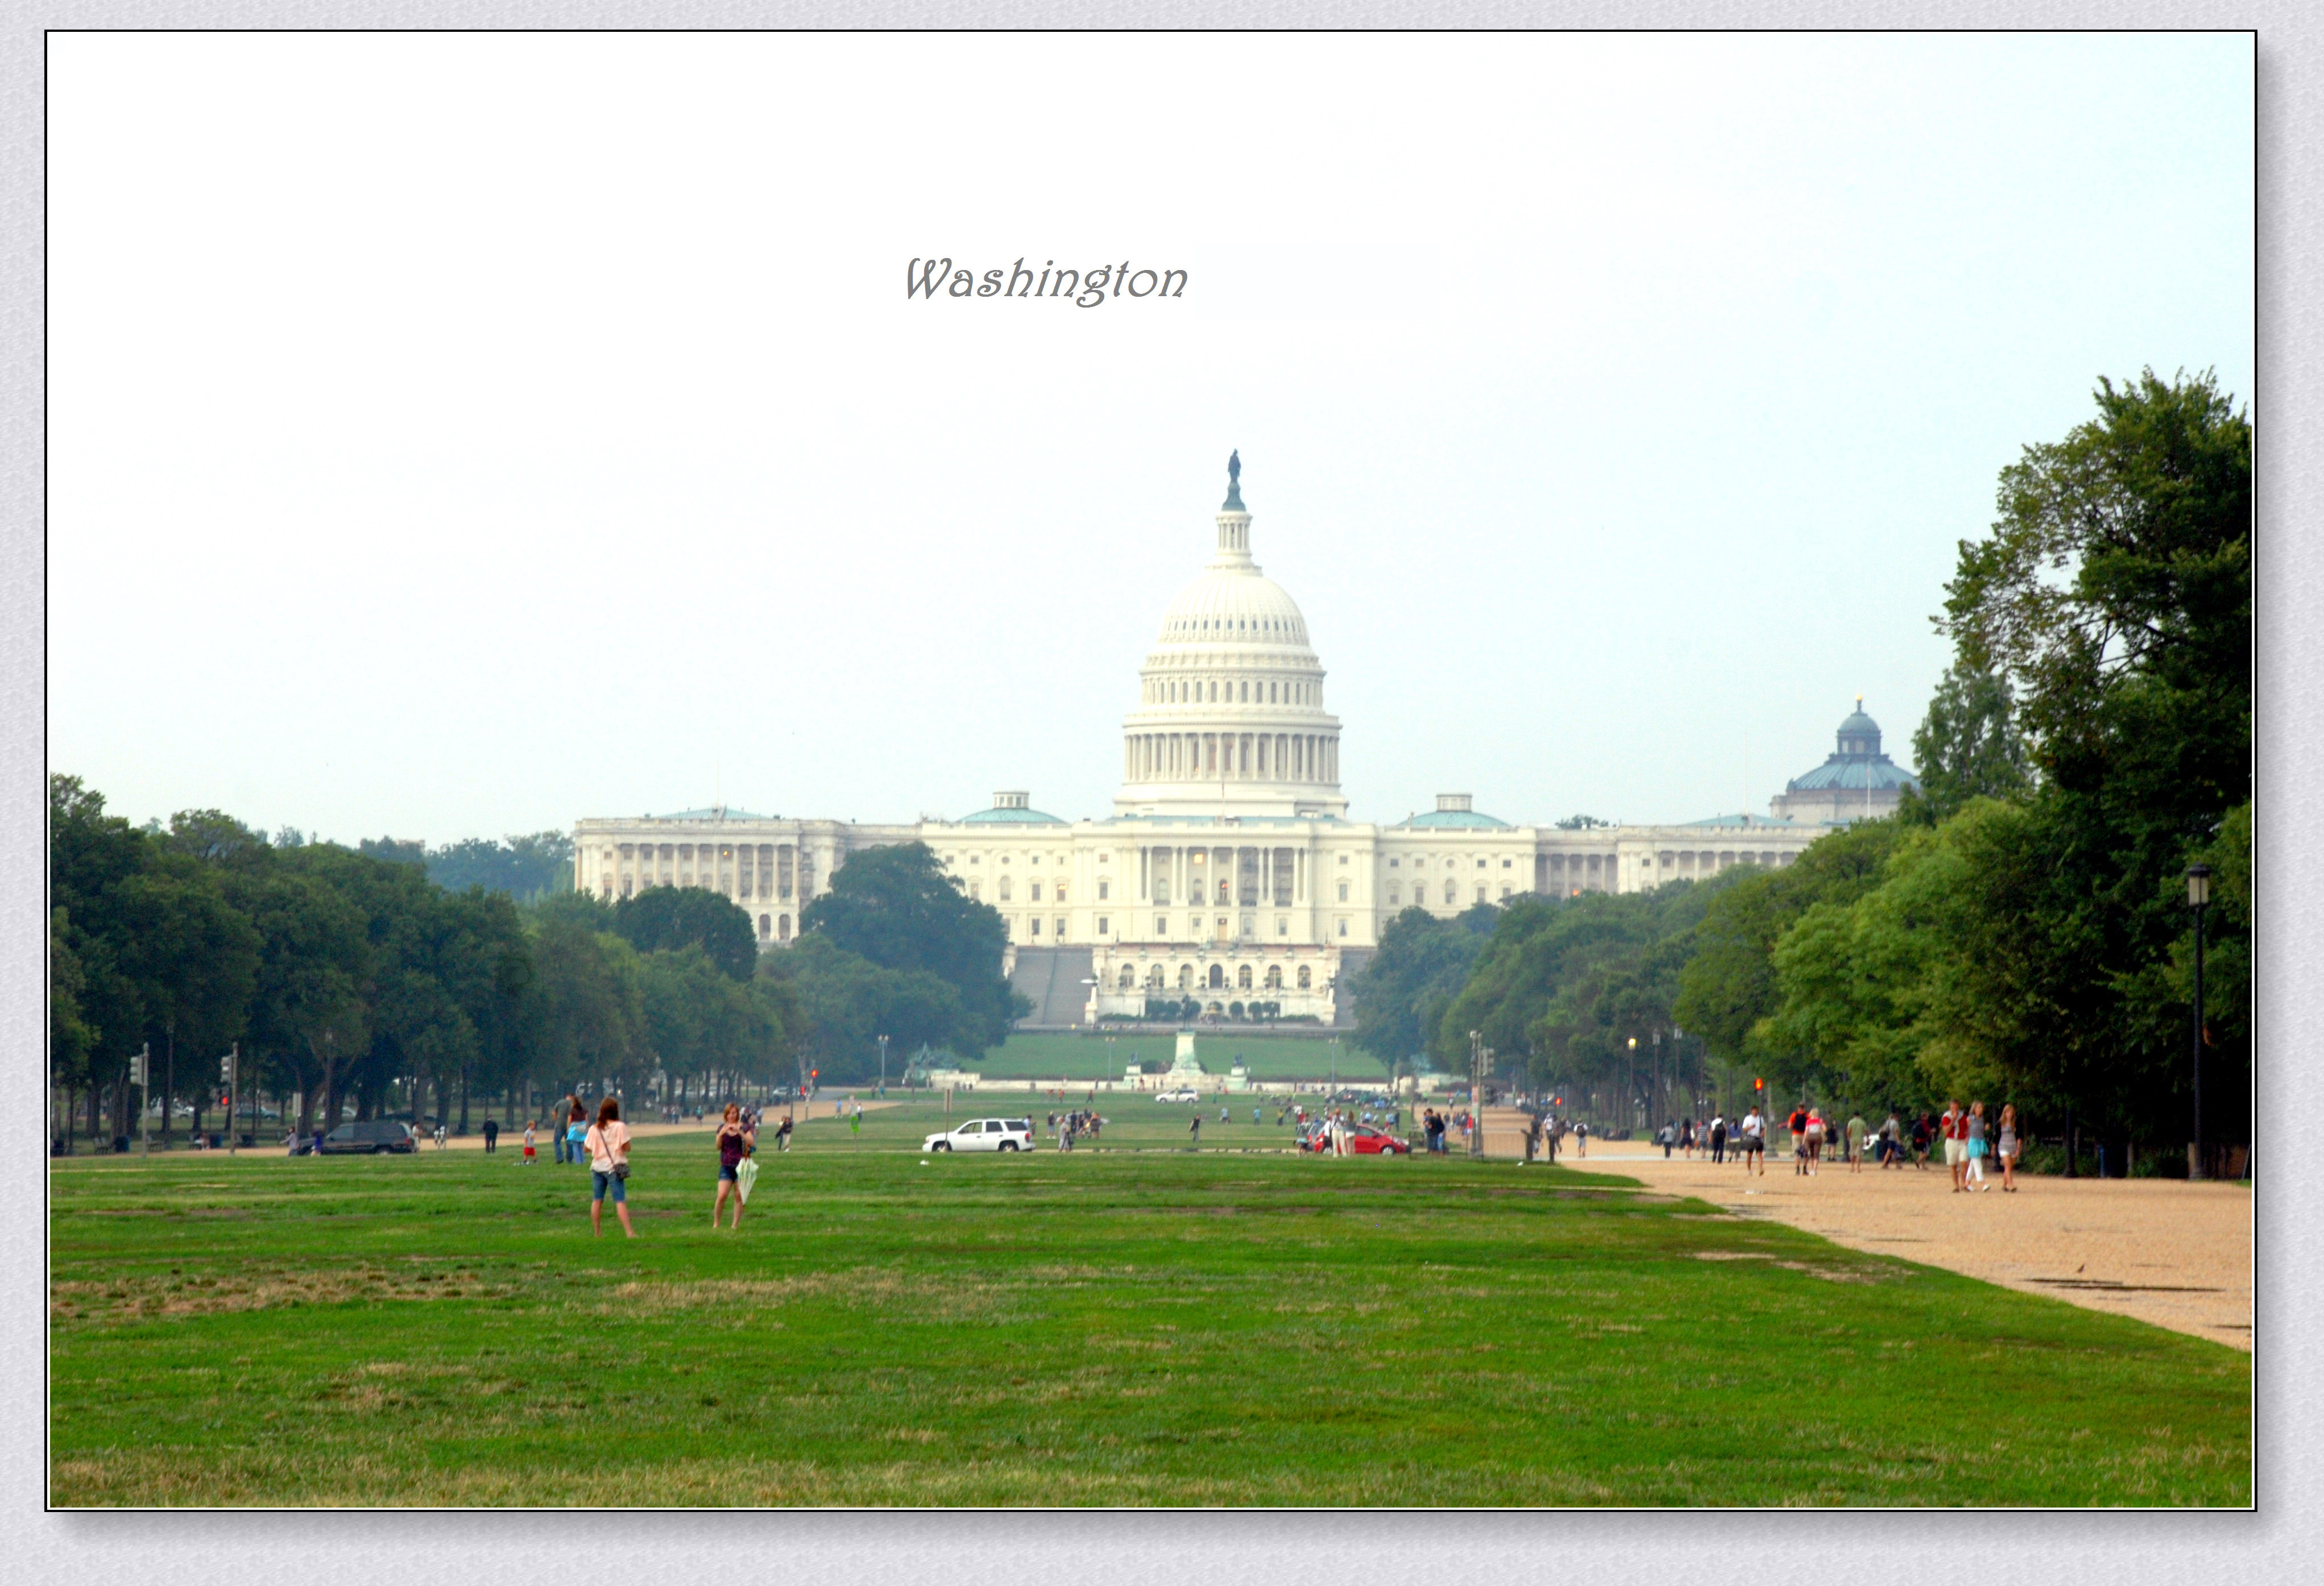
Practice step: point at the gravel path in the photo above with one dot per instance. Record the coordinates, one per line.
(2165, 1251)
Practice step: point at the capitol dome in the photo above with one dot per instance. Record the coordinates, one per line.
(1230, 718)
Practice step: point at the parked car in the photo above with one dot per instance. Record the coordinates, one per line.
(376, 1137)
(1177, 1096)
(1363, 1140)
(984, 1134)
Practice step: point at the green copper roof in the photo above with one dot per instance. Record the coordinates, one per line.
(1011, 817)
(1472, 819)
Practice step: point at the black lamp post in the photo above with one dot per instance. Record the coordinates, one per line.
(2198, 898)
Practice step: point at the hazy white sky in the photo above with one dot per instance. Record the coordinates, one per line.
(458, 436)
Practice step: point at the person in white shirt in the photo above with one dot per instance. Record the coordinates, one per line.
(607, 1146)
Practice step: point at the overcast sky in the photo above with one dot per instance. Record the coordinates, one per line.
(458, 436)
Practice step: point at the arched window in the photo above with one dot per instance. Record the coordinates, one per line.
(1128, 978)
(1218, 976)
(1242, 978)
(1275, 977)
(1306, 978)
(783, 928)
(1450, 892)
(1185, 978)
(766, 928)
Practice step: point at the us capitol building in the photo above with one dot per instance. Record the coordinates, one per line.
(1229, 870)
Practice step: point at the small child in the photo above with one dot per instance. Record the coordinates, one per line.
(527, 1145)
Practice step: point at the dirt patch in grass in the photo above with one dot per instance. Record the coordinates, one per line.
(136, 1298)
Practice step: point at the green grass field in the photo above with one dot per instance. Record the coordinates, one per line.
(1047, 1056)
(1137, 1324)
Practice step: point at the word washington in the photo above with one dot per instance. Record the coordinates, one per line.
(930, 277)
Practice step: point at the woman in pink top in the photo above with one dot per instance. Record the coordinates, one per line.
(607, 1144)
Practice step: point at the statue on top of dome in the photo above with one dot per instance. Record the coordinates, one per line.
(1234, 483)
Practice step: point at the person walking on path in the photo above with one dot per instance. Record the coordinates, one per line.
(1796, 1126)
(492, 1136)
(607, 1144)
(1973, 1146)
(529, 1158)
(1855, 1143)
(1582, 1139)
(1194, 1132)
(1890, 1142)
(2005, 1149)
(1719, 1137)
(736, 1140)
(1755, 1142)
(1920, 1141)
(1952, 1125)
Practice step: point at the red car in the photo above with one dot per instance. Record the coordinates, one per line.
(1363, 1140)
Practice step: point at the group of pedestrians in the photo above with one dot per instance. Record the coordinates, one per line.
(1072, 1127)
(1968, 1144)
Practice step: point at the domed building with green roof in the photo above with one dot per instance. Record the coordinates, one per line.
(1855, 782)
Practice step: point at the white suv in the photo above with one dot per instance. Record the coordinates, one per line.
(984, 1134)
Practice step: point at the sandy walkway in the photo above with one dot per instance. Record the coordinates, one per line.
(2166, 1252)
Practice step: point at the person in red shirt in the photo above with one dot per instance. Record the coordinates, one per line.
(1798, 1124)
(1953, 1125)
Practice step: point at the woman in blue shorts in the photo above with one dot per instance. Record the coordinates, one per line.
(607, 1146)
(736, 1142)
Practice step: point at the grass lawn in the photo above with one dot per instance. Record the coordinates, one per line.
(1047, 1056)
(1125, 1326)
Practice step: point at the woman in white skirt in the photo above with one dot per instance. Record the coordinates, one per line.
(1973, 1148)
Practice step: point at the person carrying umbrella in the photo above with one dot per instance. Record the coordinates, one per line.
(736, 1142)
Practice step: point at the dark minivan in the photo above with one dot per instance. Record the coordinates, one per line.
(378, 1135)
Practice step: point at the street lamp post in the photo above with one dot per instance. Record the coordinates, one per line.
(2198, 897)
(1476, 1096)
(883, 1065)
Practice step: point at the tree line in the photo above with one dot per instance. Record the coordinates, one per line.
(353, 981)
(2019, 930)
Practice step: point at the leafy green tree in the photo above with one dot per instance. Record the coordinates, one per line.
(584, 1006)
(308, 1014)
(896, 908)
(524, 868)
(1968, 747)
(845, 1002)
(1728, 988)
(2115, 595)
(664, 919)
(194, 958)
(1423, 961)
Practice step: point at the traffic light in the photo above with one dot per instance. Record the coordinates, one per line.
(226, 1070)
(137, 1069)
(1758, 1085)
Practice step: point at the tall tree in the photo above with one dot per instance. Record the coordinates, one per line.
(1968, 747)
(897, 908)
(1423, 961)
(664, 919)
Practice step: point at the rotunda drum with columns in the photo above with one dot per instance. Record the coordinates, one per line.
(1229, 718)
